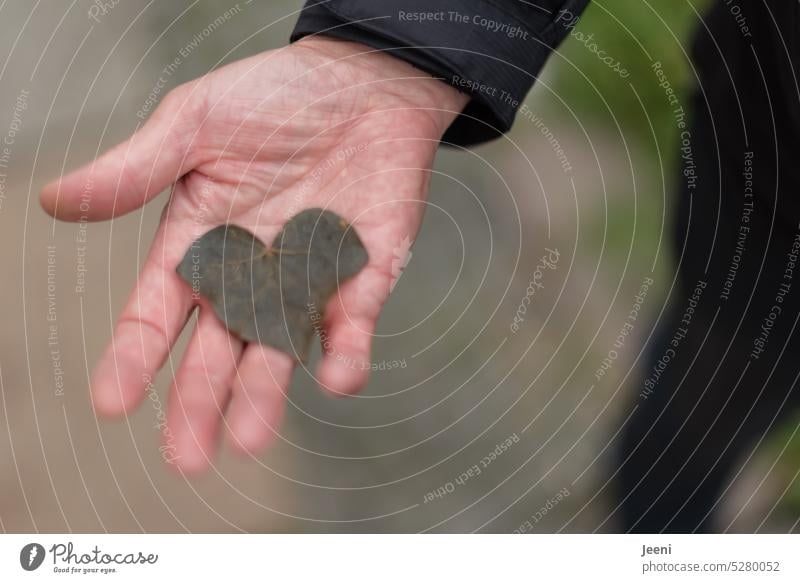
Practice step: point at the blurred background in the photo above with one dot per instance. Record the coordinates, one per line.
(486, 409)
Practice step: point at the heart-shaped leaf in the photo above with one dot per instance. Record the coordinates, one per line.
(274, 295)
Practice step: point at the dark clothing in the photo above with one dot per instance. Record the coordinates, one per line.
(733, 377)
(492, 49)
(723, 373)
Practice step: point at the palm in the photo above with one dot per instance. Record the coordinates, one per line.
(253, 144)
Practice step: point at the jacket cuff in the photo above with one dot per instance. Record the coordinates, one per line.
(476, 46)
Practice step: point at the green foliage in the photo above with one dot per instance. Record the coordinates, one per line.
(604, 74)
(787, 436)
(635, 35)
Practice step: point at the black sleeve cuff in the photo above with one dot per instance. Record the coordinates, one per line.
(493, 53)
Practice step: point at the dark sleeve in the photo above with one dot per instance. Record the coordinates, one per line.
(491, 49)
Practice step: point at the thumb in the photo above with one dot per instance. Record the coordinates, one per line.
(130, 174)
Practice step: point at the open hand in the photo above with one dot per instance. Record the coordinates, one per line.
(321, 123)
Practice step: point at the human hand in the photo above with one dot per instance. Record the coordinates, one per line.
(321, 123)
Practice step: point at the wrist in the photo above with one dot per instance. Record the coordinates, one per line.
(431, 96)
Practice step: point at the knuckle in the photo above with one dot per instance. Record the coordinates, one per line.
(152, 329)
(184, 102)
